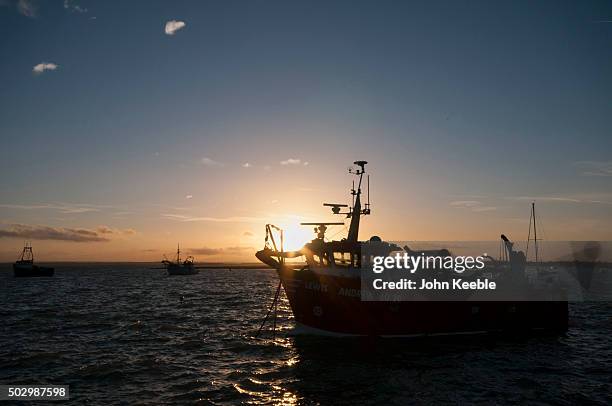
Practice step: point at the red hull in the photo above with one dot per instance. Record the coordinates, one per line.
(332, 304)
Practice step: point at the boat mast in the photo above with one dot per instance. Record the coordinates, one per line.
(532, 219)
(178, 253)
(535, 230)
(27, 254)
(356, 212)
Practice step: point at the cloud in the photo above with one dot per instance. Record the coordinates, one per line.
(181, 217)
(291, 161)
(547, 199)
(210, 162)
(104, 230)
(246, 165)
(27, 8)
(595, 168)
(41, 67)
(72, 6)
(588, 198)
(64, 208)
(189, 197)
(294, 161)
(248, 234)
(472, 205)
(114, 231)
(39, 232)
(207, 251)
(52, 233)
(173, 26)
(465, 203)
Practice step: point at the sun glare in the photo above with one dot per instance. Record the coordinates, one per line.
(296, 235)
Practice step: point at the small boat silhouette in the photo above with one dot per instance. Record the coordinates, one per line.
(25, 267)
(177, 267)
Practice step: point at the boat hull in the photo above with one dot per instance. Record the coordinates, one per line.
(29, 271)
(331, 305)
(174, 269)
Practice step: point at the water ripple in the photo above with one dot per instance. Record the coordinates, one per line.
(132, 335)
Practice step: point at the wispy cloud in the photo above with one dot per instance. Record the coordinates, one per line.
(173, 26)
(114, 231)
(595, 198)
(189, 197)
(294, 161)
(38, 232)
(207, 251)
(235, 219)
(65, 208)
(595, 168)
(473, 205)
(210, 162)
(248, 234)
(43, 66)
(246, 165)
(74, 7)
(27, 8)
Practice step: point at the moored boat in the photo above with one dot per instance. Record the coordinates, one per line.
(325, 289)
(178, 267)
(25, 267)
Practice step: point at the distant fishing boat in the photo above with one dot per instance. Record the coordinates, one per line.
(324, 288)
(186, 267)
(25, 267)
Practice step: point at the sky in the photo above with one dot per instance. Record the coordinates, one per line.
(129, 127)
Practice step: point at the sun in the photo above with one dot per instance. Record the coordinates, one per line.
(296, 235)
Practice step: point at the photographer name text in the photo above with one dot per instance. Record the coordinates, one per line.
(434, 284)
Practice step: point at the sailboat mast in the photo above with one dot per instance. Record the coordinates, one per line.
(535, 230)
(368, 191)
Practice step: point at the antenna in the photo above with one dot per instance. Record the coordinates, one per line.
(335, 207)
(368, 193)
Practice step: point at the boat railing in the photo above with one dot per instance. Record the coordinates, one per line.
(270, 241)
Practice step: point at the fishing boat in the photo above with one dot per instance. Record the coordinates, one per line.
(324, 288)
(24, 267)
(178, 267)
